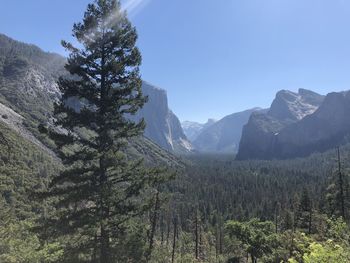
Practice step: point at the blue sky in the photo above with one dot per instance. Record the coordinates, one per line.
(214, 57)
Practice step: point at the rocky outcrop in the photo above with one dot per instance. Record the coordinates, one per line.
(290, 106)
(15, 121)
(327, 127)
(260, 137)
(162, 125)
(28, 78)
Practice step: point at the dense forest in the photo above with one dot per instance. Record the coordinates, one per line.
(259, 211)
(216, 209)
(108, 195)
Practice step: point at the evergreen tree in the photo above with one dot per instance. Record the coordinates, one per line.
(99, 189)
(304, 212)
(337, 191)
(256, 236)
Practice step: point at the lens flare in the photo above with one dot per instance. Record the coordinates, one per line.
(134, 6)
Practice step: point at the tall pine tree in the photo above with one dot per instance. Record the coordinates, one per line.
(99, 189)
(337, 191)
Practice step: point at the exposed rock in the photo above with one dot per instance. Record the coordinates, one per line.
(294, 106)
(261, 135)
(327, 127)
(15, 121)
(162, 125)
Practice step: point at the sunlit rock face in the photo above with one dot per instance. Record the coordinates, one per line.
(274, 134)
(293, 106)
(162, 125)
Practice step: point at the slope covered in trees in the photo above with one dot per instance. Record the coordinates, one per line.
(220, 210)
(259, 211)
(24, 168)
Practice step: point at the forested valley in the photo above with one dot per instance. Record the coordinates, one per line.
(212, 209)
(79, 181)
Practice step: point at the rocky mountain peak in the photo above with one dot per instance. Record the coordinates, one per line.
(293, 106)
(323, 123)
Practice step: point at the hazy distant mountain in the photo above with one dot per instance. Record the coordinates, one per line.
(28, 86)
(294, 126)
(224, 135)
(193, 129)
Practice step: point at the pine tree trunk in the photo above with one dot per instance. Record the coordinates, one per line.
(200, 242)
(341, 186)
(153, 225)
(196, 236)
(174, 241)
(162, 228)
(94, 255)
(217, 243)
(168, 229)
(105, 253)
(276, 220)
(220, 240)
(310, 220)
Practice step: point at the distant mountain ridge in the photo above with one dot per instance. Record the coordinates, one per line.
(193, 129)
(297, 125)
(224, 135)
(28, 86)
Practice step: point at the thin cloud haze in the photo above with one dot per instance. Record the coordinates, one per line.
(133, 7)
